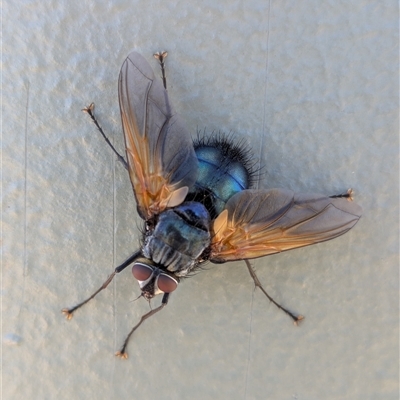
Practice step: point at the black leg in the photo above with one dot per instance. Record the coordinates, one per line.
(258, 284)
(68, 312)
(161, 56)
(122, 353)
(347, 195)
(90, 110)
(128, 261)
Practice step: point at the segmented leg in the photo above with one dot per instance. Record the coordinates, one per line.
(68, 312)
(90, 111)
(347, 195)
(122, 353)
(258, 284)
(161, 56)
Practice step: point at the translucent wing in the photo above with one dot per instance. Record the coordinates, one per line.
(257, 223)
(162, 163)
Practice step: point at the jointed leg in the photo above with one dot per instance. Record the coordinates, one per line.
(68, 312)
(258, 284)
(161, 56)
(90, 110)
(122, 353)
(347, 195)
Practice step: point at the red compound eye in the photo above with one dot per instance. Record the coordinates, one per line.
(167, 283)
(142, 272)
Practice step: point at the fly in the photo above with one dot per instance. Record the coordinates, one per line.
(195, 198)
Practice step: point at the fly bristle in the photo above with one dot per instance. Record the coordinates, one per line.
(232, 148)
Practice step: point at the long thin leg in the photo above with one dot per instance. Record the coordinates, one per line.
(68, 312)
(347, 195)
(161, 56)
(90, 111)
(122, 353)
(258, 284)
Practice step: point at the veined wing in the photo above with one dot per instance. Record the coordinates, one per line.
(257, 223)
(162, 163)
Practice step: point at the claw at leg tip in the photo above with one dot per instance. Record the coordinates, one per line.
(67, 313)
(89, 109)
(350, 194)
(121, 354)
(160, 55)
(298, 320)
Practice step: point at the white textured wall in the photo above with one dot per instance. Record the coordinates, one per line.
(312, 86)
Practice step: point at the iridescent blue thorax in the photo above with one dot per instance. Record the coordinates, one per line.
(180, 236)
(179, 239)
